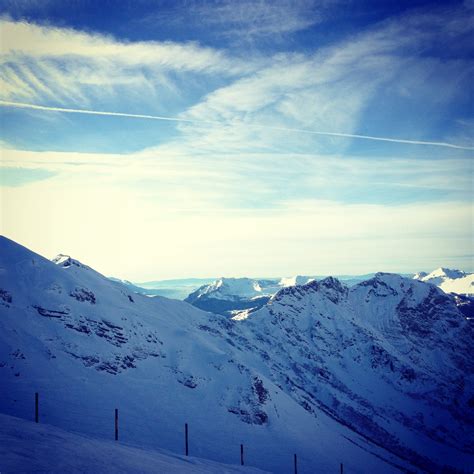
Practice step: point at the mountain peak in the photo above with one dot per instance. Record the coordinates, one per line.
(446, 272)
(66, 261)
(295, 280)
(329, 287)
(235, 286)
(449, 280)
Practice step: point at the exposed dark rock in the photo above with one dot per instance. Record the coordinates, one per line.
(5, 296)
(260, 390)
(257, 417)
(51, 313)
(109, 331)
(18, 354)
(81, 294)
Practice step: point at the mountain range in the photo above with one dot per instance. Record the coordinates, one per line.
(377, 376)
(235, 297)
(450, 281)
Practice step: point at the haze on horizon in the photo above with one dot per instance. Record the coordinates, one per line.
(234, 185)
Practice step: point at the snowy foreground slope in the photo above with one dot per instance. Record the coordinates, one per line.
(29, 447)
(378, 376)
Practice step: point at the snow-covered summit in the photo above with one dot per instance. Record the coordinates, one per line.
(67, 261)
(450, 281)
(442, 272)
(294, 280)
(229, 288)
(329, 287)
(227, 295)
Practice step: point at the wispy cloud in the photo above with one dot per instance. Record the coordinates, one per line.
(330, 91)
(64, 65)
(248, 20)
(27, 39)
(245, 22)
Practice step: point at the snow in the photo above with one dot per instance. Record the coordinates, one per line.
(237, 288)
(450, 281)
(235, 297)
(223, 288)
(29, 447)
(295, 280)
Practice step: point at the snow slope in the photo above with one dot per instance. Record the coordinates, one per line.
(378, 376)
(31, 447)
(450, 281)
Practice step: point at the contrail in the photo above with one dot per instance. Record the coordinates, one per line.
(215, 122)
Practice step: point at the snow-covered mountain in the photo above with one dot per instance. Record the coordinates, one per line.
(385, 357)
(450, 281)
(377, 376)
(228, 296)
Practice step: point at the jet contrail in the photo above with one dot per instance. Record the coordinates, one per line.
(215, 122)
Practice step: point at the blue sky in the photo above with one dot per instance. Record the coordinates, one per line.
(239, 184)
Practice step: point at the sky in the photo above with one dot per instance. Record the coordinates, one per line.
(167, 139)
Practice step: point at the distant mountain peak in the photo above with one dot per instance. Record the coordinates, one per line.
(449, 280)
(233, 286)
(295, 280)
(329, 287)
(447, 272)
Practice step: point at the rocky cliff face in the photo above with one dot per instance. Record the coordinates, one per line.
(385, 357)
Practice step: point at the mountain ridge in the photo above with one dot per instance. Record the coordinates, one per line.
(449, 280)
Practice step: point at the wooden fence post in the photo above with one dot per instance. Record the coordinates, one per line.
(241, 454)
(116, 424)
(37, 407)
(342, 468)
(186, 439)
(296, 464)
